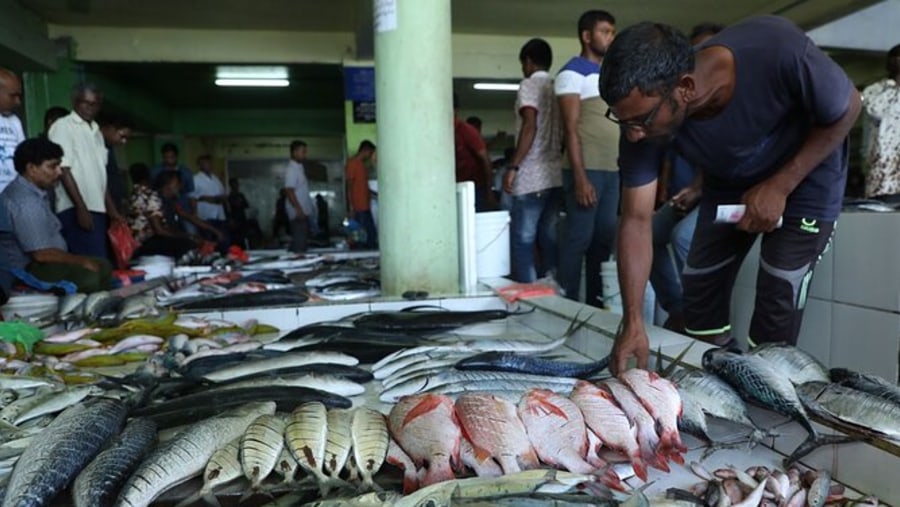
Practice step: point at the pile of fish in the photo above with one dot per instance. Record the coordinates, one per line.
(788, 381)
(633, 420)
(759, 486)
(346, 283)
(506, 367)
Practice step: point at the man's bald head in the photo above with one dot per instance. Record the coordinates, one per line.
(10, 92)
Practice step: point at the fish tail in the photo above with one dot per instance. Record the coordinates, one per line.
(209, 497)
(813, 442)
(640, 468)
(194, 497)
(610, 479)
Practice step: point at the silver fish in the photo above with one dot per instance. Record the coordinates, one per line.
(187, 454)
(328, 383)
(796, 364)
(757, 380)
(246, 368)
(868, 412)
(306, 436)
(223, 467)
(98, 304)
(429, 383)
(370, 443)
(56, 403)
(135, 341)
(871, 384)
(472, 346)
(70, 305)
(98, 483)
(260, 447)
(20, 382)
(139, 305)
(714, 397)
(71, 441)
(338, 442)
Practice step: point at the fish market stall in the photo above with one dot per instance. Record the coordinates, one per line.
(284, 393)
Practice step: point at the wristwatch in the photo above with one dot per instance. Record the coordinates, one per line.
(512, 167)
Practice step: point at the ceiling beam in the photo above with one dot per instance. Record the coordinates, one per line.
(24, 44)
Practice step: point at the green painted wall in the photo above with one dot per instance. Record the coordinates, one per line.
(258, 122)
(43, 90)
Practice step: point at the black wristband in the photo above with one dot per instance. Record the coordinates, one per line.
(512, 167)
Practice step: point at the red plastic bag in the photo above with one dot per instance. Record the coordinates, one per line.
(123, 243)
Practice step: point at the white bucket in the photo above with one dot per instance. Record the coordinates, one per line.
(492, 244)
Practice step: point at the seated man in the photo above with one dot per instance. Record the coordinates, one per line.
(146, 216)
(32, 239)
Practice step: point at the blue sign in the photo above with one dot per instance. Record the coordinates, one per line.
(359, 84)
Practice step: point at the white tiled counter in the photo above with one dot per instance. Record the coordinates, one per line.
(853, 312)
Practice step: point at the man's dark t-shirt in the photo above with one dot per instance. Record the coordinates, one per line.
(785, 86)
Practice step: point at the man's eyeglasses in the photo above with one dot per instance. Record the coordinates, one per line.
(639, 124)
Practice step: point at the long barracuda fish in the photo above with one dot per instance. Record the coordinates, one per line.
(292, 359)
(431, 382)
(186, 455)
(99, 482)
(482, 345)
(72, 440)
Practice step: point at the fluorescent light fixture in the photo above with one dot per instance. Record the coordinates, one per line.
(251, 72)
(497, 87)
(253, 82)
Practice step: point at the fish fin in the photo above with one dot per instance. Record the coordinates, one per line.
(211, 499)
(549, 407)
(677, 458)
(610, 479)
(640, 468)
(197, 496)
(529, 460)
(669, 370)
(423, 407)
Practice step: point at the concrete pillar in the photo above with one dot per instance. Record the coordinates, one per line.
(416, 178)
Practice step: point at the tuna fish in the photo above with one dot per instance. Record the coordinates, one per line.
(757, 380)
(871, 384)
(100, 481)
(493, 428)
(72, 440)
(868, 412)
(792, 362)
(426, 428)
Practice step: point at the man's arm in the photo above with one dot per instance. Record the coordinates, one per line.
(570, 107)
(523, 145)
(111, 209)
(57, 256)
(766, 201)
(200, 224)
(634, 256)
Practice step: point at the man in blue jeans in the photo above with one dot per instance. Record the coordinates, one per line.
(592, 182)
(533, 174)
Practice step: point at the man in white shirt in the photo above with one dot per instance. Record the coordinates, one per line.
(11, 133)
(209, 192)
(83, 204)
(301, 211)
(534, 173)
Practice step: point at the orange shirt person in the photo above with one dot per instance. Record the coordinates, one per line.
(358, 194)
